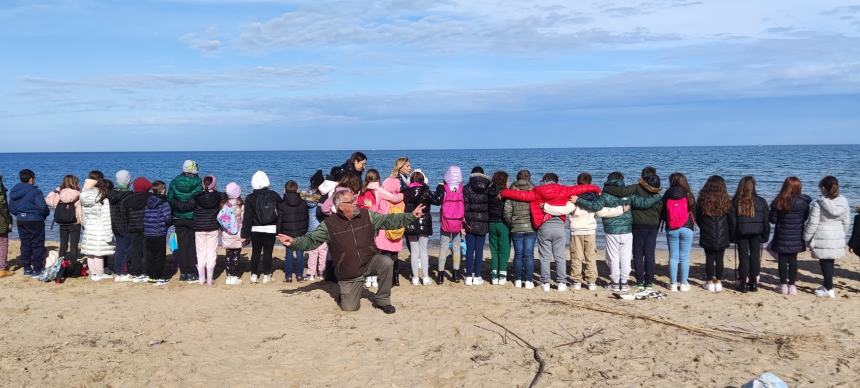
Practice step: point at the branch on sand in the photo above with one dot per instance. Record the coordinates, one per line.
(537, 352)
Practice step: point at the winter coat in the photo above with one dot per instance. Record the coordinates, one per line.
(134, 211)
(157, 217)
(854, 243)
(97, 237)
(476, 195)
(347, 167)
(312, 200)
(495, 205)
(744, 227)
(714, 231)
(788, 231)
(27, 203)
(518, 215)
(66, 196)
(415, 195)
(184, 188)
(233, 241)
(384, 203)
(647, 218)
(829, 220)
(551, 193)
(582, 221)
(5, 215)
(293, 219)
(117, 215)
(205, 213)
(249, 219)
(622, 224)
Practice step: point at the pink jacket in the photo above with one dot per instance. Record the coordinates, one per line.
(388, 196)
(66, 196)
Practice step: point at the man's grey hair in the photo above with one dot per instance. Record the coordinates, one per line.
(340, 196)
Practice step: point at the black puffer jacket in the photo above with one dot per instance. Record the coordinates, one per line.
(293, 217)
(788, 234)
(347, 167)
(249, 212)
(420, 195)
(495, 205)
(207, 206)
(477, 204)
(117, 215)
(713, 231)
(134, 211)
(745, 227)
(854, 242)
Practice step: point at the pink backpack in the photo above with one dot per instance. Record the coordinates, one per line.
(453, 210)
(677, 213)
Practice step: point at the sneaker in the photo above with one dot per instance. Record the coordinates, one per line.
(823, 292)
(711, 287)
(106, 276)
(518, 284)
(783, 289)
(592, 286)
(28, 272)
(367, 282)
(159, 282)
(120, 278)
(477, 281)
(673, 287)
(792, 290)
(415, 282)
(529, 285)
(639, 286)
(503, 281)
(562, 287)
(685, 287)
(495, 282)
(95, 277)
(615, 287)
(140, 279)
(649, 287)
(576, 286)
(375, 284)
(267, 278)
(545, 287)
(427, 280)
(625, 288)
(468, 280)
(718, 286)
(309, 278)
(254, 278)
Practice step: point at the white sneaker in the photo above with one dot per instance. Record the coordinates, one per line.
(310, 278)
(576, 286)
(718, 287)
(105, 276)
(824, 293)
(529, 285)
(427, 281)
(468, 280)
(140, 279)
(685, 287)
(495, 282)
(518, 283)
(367, 282)
(673, 287)
(254, 278)
(374, 284)
(477, 281)
(415, 282)
(95, 278)
(503, 281)
(503, 278)
(592, 286)
(267, 278)
(545, 287)
(711, 287)
(562, 287)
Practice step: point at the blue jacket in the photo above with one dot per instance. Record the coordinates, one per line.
(27, 203)
(157, 217)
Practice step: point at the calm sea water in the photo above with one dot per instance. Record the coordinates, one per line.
(769, 164)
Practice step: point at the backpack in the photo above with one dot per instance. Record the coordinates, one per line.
(453, 210)
(266, 209)
(677, 213)
(396, 234)
(64, 214)
(229, 220)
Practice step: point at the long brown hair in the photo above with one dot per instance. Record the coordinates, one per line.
(371, 176)
(103, 187)
(744, 199)
(500, 180)
(71, 182)
(791, 189)
(680, 180)
(829, 186)
(350, 182)
(714, 197)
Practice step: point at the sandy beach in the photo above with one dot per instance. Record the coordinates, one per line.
(83, 333)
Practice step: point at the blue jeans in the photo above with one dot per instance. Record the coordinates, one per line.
(524, 255)
(474, 254)
(297, 258)
(680, 244)
(120, 257)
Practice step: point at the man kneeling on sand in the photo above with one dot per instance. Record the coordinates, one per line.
(350, 236)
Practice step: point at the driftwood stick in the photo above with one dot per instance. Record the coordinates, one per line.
(536, 352)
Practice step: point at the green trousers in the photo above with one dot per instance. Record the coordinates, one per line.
(500, 249)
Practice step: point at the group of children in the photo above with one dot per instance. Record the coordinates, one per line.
(130, 220)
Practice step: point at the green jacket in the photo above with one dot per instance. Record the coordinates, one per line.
(319, 236)
(5, 216)
(622, 224)
(648, 217)
(518, 215)
(184, 188)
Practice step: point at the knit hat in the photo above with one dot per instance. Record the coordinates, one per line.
(214, 183)
(123, 178)
(260, 180)
(233, 190)
(454, 176)
(317, 179)
(190, 167)
(142, 185)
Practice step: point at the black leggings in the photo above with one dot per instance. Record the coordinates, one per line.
(233, 261)
(70, 236)
(714, 264)
(749, 252)
(787, 268)
(186, 255)
(262, 243)
(827, 271)
(156, 256)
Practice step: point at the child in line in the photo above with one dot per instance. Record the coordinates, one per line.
(28, 206)
(450, 194)
(5, 227)
(157, 219)
(788, 212)
(293, 221)
(829, 220)
(207, 204)
(712, 209)
(518, 216)
(419, 231)
(499, 231)
(679, 215)
(120, 191)
(317, 257)
(134, 207)
(260, 225)
(66, 201)
(476, 216)
(749, 228)
(97, 241)
(230, 219)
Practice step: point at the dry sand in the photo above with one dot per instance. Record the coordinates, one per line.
(83, 333)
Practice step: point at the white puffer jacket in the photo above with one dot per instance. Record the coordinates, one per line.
(829, 220)
(97, 239)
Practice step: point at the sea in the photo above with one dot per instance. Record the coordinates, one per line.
(769, 164)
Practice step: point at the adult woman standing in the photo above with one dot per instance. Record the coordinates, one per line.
(829, 220)
(390, 200)
(97, 242)
(788, 212)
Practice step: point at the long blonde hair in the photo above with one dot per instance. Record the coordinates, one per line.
(399, 165)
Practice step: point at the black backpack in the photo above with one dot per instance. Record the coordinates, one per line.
(64, 214)
(266, 209)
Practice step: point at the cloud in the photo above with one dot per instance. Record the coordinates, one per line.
(206, 43)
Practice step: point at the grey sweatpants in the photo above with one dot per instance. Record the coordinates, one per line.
(350, 290)
(619, 254)
(551, 238)
(448, 238)
(419, 255)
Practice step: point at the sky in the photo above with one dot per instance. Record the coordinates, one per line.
(111, 75)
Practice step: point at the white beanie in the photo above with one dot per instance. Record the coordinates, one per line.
(123, 178)
(260, 180)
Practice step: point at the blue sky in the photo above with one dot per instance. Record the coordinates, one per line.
(112, 75)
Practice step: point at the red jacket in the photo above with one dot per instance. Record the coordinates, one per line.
(551, 193)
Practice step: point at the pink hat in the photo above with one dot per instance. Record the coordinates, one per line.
(233, 190)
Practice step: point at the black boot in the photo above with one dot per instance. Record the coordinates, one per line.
(741, 286)
(396, 282)
(752, 287)
(440, 277)
(455, 276)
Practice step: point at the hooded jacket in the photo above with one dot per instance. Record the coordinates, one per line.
(184, 188)
(293, 217)
(157, 216)
(5, 215)
(312, 200)
(622, 224)
(205, 213)
(27, 203)
(518, 215)
(743, 227)
(647, 218)
(420, 194)
(249, 219)
(97, 238)
(134, 211)
(233, 241)
(476, 196)
(66, 195)
(551, 193)
(788, 230)
(117, 215)
(384, 202)
(829, 220)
